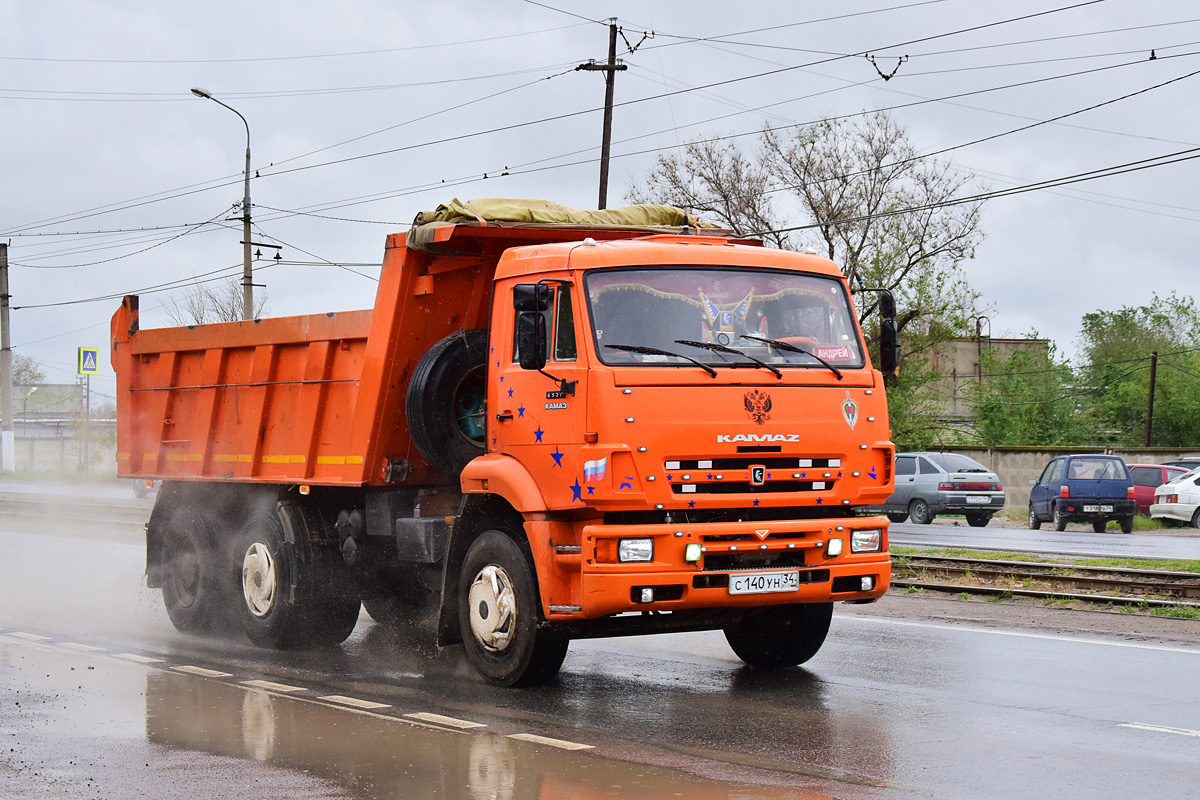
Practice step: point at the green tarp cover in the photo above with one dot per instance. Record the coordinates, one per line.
(499, 209)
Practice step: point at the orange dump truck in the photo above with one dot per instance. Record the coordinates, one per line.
(540, 432)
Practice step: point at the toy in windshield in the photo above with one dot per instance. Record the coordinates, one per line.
(727, 327)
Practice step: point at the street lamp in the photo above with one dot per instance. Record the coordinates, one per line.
(247, 274)
(24, 414)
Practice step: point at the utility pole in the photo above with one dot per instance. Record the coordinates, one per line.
(1150, 403)
(609, 69)
(7, 438)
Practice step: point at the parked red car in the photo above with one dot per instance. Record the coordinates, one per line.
(1147, 478)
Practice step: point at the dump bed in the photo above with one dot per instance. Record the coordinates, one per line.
(310, 399)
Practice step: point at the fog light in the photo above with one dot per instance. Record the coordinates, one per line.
(691, 553)
(870, 541)
(834, 548)
(868, 582)
(647, 595)
(635, 550)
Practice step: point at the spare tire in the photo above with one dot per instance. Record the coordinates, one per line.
(446, 401)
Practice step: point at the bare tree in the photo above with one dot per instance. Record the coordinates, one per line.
(863, 196)
(206, 302)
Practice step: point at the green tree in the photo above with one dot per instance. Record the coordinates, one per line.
(1027, 397)
(1117, 347)
(26, 371)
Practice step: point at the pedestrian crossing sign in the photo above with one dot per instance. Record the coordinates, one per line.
(89, 361)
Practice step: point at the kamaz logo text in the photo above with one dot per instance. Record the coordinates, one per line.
(757, 437)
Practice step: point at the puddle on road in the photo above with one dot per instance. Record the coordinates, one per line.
(75, 725)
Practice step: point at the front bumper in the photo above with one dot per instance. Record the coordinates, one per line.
(728, 549)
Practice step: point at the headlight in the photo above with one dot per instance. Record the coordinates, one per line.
(691, 552)
(834, 548)
(866, 541)
(635, 550)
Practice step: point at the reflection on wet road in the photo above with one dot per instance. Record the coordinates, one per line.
(889, 709)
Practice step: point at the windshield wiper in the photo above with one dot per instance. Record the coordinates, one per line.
(720, 348)
(794, 349)
(654, 351)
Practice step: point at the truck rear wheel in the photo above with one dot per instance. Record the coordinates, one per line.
(445, 405)
(191, 588)
(266, 566)
(499, 614)
(781, 636)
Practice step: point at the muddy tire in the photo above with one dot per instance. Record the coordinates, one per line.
(1060, 520)
(978, 519)
(192, 588)
(897, 516)
(500, 617)
(445, 405)
(919, 512)
(1034, 522)
(266, 567)
(781, 636)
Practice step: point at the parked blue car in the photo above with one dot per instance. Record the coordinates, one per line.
(1083, 488)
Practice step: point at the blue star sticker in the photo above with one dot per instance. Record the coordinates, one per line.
(818, 501)
(691, 503)
(591, 490)
(521, 411)
(510, 391)
(557, 456)
(756, 502)
(576, 490)
(839, 474)
(538, 434)
(871, 473)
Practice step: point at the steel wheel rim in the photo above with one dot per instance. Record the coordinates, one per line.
(184, 570)
(258, 579)
(493, 609)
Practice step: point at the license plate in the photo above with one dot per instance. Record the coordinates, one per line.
(764, 582)
(978, 499)
(1097, 509)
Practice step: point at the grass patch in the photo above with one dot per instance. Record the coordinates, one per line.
(1176, 612)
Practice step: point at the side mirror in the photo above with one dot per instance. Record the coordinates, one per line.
(531, 297)
(531, 339)
(1032, 482)
(889, 335)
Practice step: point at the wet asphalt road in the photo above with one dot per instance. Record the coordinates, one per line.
(889, 709)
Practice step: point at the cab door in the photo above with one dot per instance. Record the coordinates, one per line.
(538, 416)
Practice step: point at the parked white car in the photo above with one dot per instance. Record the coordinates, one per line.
(1179, 501)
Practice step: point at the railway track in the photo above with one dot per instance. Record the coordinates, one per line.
(1129, 587)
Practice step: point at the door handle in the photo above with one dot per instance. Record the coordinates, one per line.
(503, 417)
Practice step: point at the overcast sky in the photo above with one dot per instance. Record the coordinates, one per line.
(364, 113)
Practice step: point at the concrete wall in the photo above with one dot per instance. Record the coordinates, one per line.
(1017, 466)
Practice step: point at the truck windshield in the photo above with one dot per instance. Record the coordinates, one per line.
(785, 319)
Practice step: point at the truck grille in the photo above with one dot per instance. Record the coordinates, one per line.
(752, 475)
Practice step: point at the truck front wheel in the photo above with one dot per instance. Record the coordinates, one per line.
(781, 636)
(191, 586)
(499, 614)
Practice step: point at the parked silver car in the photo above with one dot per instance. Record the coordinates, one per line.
(928, 484)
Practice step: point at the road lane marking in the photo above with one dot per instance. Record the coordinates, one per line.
(560, 743)
(137, 658)
(204, 673)
(1018, 635)
(353, 701)
(32, 637)
(442, 720)
(1142, 726)
(87, 648)
(274, 687)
